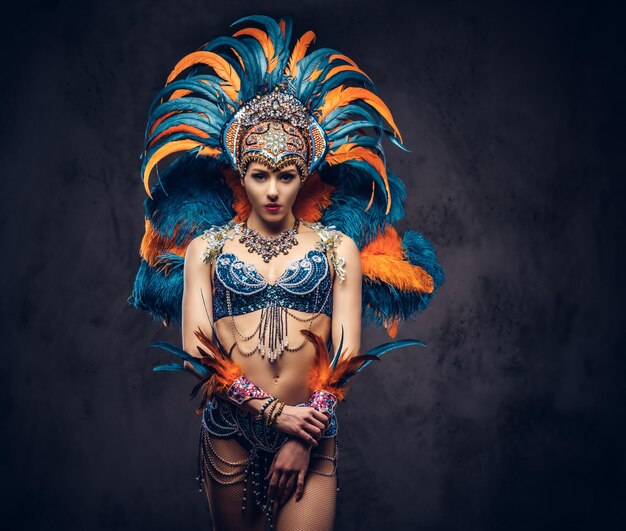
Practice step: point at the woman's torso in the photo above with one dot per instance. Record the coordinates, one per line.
(300, 281)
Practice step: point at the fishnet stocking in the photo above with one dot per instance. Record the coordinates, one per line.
(316, 509)
(224, 462)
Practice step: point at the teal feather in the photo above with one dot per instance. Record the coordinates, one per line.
(338, 352)
(179, 352)
(383, 349)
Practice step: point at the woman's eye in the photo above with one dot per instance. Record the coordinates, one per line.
(287, 177)
(258, 176)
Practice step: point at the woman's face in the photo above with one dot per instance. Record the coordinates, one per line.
(271, 193)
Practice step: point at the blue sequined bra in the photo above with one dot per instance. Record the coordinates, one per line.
(305, 286)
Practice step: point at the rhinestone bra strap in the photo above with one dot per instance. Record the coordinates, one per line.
(330, 240)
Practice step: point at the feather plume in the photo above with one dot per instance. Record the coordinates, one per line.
(266, 44)
(334, 376)
(340, 96)
(213, 368)
(352, 151)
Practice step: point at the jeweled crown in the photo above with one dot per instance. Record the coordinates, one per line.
(306, 146)
(275, 105)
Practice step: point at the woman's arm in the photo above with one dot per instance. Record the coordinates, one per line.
(197, 314)
(346, 320)
(197, 311)
(347, 300)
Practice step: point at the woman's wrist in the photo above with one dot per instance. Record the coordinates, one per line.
(323, 401)
(242, 390)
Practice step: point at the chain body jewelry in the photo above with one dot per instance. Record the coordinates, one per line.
(222, 419)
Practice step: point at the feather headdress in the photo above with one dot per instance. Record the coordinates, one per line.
(349, 187)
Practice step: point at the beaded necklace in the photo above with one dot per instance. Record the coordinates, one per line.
(269, 246)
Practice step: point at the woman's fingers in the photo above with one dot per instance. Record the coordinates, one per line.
(288, 488)
(307, 438)
(312, 430)
(300, 484)
(280, 489)
(275, 478)
(320, 416)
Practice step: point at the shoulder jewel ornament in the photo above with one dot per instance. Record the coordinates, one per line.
(329, 241)
(216, 237)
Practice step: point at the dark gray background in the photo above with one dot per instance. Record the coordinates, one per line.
(511, 418)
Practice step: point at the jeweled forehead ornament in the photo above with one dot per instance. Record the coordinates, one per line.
(275, 129)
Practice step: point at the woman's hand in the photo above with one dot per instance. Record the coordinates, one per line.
(288, 468)
(304, 422)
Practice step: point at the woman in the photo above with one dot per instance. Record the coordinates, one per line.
(272, 194)
(271, 236)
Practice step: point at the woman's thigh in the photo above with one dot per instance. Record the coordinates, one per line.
(224, 463)
(316, 509)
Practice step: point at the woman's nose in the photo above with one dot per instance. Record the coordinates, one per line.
(272, 189)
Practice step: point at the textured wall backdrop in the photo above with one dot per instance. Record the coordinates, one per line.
(511, 418)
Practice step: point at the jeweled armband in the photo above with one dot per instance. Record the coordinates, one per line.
(323, 401)
(243, 389)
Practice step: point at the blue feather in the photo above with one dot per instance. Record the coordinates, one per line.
(181, 354)
(388, 347)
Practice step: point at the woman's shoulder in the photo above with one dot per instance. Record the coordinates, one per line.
(330, 237)
(211, 241)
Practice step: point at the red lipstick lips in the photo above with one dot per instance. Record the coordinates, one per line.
(272, 208)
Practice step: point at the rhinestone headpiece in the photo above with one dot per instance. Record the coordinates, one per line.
(275, 129)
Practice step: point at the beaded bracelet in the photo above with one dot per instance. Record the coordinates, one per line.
(270, 411)
(280, 410)
(259, 415)
(273, 413)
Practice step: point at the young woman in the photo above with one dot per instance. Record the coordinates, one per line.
(280, 363)
(268, 240)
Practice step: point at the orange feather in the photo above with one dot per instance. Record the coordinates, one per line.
(223, 370)
(342, 68)
(383, 259)
(179, 128)
(299, 51)
(325, 378)
(223, 69)
(158, 121)
(174, 147)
